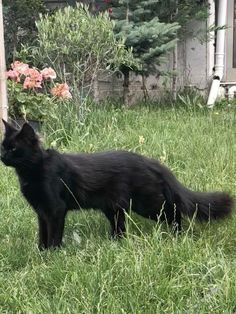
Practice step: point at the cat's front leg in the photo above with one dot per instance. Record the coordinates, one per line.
(43, 233)
(55, 228)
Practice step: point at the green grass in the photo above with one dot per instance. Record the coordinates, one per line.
(151, 271)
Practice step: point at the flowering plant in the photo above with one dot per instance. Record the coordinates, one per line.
(32, 92)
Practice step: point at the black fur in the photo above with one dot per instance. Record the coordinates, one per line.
(111, 181)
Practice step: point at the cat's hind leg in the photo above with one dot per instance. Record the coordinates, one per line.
(172, 215)
(116, 218)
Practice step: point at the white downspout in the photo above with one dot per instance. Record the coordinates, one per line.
(231, 92)
(219, 54)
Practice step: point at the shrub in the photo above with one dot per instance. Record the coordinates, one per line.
(79, 46)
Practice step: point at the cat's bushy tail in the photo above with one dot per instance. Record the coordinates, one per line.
(203, 205)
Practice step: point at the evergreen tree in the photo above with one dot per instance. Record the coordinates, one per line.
(182, 12)
(137, 22)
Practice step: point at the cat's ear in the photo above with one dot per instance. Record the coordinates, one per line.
(27, 132)
(9, 129)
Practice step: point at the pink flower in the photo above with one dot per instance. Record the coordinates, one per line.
(34, 74)
(13, 75)
(20, 67)
(48, 73)
(33, 79)
(61, 90)
(31, 84)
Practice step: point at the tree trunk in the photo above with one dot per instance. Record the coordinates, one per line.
(126, 87)
(175, 58)
(175, 67)
(95, 89)
(144, 88)
(93, 7)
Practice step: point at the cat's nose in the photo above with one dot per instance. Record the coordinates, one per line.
(2, 152)
(3, 156)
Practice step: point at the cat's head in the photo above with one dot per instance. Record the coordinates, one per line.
(19, 148)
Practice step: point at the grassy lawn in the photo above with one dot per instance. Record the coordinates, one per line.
(150, 271)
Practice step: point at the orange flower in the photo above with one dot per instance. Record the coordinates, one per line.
(61, 90)
(48, 73)
(66, 94)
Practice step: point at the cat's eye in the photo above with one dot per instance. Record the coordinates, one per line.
(12, 149)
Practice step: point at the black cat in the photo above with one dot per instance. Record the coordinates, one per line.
(111, 181)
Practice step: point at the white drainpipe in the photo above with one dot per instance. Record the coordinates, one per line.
(219, 54)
